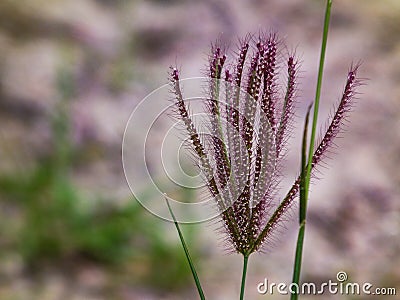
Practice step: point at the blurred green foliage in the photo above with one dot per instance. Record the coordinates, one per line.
(49, 222)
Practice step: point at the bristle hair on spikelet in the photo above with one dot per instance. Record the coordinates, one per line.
(339, 117)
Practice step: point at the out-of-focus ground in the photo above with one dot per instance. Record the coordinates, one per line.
(72, 71)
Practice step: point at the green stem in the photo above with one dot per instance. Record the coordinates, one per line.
(188, 257)
(298, 259)
(318, 92)
(303, 210)
(244, 273)
(307, 163)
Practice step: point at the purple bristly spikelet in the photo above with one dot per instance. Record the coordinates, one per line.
(255, 71)
(213, 104)
(232, 130)
(268, 99)
(183, 115)
(254, 81)
(217, 60)
(288, 105)
(199, 150)
(247, 120)
(339, 117)
(244, 48)
(234, 117)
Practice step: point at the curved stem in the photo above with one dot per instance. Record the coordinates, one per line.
(244, 273)
(188, 257)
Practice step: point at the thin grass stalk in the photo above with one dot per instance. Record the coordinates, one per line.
(306, 168)
(244, 274)
(302, 215)
(318, 94)
(188, 257)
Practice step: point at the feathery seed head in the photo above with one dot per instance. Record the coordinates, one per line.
(249, 125)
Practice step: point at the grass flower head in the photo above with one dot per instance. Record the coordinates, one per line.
(249, 122)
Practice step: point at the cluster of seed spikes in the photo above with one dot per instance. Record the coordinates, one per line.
(249, 121)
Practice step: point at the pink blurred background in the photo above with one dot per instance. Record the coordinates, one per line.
(86, 64)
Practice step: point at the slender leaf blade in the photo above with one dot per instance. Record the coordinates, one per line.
(188, 257)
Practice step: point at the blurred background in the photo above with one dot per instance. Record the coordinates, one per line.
(72, 71)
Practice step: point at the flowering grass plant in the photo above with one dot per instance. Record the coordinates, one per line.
(249, 121)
